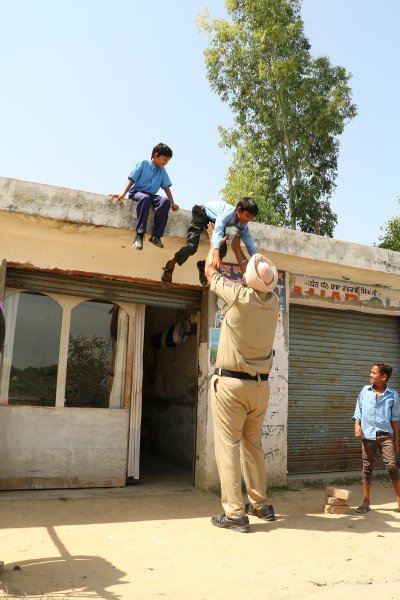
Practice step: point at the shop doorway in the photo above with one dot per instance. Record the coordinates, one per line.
(169, 397)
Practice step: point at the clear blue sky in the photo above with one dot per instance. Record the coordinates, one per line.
(88, 87)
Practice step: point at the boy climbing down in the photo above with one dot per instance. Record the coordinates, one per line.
(222, 215)
(143, 184)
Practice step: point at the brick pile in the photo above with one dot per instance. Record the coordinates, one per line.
(336, 501)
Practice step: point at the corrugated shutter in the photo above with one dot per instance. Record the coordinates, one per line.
(104, 289)
(330, 355)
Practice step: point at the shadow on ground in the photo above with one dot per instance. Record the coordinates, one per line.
(54, 574)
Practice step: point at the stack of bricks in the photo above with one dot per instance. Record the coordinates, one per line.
(336, 501)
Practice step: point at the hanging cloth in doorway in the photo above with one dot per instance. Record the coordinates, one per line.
(176, 334)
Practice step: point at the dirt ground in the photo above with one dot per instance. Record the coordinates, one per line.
(123, 544)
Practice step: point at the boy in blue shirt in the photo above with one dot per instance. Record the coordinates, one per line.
(143, 184)
(223, 215)
(376, 424)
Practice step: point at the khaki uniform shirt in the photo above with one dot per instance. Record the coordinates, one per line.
(248, 328)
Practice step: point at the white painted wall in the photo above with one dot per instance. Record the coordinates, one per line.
(274, 438)
(62, 447)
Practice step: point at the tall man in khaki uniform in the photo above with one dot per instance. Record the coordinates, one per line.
(239, 387)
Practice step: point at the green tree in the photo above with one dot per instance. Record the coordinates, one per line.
(288, 108)
(88, 368)
(391, 237)
(35, 386)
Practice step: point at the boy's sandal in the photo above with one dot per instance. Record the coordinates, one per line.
(166, 277)
(364, 508)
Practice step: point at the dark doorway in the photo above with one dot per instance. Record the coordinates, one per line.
(169, 398)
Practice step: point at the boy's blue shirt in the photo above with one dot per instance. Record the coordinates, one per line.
(223, 214)
(148, 178)
(376, 415)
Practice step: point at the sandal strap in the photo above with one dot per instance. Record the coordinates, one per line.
(166, 279)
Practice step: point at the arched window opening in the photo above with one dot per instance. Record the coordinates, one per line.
(29, 361)
(96, 356)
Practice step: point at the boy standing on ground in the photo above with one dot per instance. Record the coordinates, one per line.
(376, 424)
(143, 184)
(223, 215)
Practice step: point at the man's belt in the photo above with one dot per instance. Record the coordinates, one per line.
(239, 375)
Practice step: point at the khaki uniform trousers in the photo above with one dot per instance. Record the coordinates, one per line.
(239, 408)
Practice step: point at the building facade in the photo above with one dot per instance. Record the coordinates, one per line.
(104, 372)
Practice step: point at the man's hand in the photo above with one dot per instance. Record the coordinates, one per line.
(117, 196)
(210, 229)
(240, 256)
(174, 206)
(358, 431)
(216, 259)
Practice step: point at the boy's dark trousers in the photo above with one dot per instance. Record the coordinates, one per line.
(384, 443)
(197, 226)
(161, 204)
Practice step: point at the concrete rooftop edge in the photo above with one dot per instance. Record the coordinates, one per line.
(87, 208)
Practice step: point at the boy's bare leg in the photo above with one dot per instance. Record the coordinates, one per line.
(396, 487)
(366, 490)
(171, 264)
(166, 277)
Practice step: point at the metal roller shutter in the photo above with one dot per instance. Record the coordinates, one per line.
(112, 290)
(330, 354)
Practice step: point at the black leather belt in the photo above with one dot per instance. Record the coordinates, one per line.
(239, 375)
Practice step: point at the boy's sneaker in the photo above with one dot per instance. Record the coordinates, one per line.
(154, 239)
(240, 524)
(138, 242)
(266, 512)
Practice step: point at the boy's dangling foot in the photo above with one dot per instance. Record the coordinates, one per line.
(166, 277)
(138, 242)
(201, 264)
(154, 239)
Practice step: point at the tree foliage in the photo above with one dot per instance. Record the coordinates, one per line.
(288, 110)
(35, 386)
(88, 368)
(391, 237)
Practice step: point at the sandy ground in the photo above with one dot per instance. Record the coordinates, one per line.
(128, 545)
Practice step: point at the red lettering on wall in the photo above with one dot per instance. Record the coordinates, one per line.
(351, 297)
(312, 294)
(297, 290)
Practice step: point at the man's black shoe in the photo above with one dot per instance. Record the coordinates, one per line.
(266, 512)
(240, 524)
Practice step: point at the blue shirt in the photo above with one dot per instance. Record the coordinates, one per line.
(223, 214)
(148, 178)
(376, 414)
